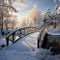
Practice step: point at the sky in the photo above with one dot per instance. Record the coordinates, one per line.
(23, 6)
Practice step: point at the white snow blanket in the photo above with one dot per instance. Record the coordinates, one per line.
(26, 49)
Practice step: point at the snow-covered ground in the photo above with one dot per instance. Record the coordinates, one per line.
(26, 49)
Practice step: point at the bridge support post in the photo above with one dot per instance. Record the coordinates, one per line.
(7, 42)
(38, 43)
(13, 38)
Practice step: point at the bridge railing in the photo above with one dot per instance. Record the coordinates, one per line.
(19, 33)
(43, 31)
(40, 37)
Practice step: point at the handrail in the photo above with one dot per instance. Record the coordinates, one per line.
(19, 33)
(41, 31)
(40, 36)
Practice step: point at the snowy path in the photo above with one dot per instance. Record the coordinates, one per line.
(26, 49)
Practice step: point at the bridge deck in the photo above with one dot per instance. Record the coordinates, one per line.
(27, 43)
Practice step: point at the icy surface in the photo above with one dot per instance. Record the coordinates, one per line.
(26, 49)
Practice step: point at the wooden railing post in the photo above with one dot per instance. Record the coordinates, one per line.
(19, 32)
(7, 41)
(38, 43)
(13, 37)
(24, 31)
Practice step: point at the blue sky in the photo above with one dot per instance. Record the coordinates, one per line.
(43, 4)
(27, 5)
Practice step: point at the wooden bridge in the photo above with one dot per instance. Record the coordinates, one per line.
(19, 33)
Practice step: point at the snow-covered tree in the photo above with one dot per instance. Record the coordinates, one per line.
(6, 8)
(47, 15)
(34, 16)
(56, 14)
(56, 8)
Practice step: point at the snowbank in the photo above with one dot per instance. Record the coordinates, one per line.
(25, 49)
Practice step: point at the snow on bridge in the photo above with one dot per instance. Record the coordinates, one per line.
(28, 42)
(26, 49)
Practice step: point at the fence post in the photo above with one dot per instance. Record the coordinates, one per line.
(13, 37)
(19, 32)
(7, 41)
(24, 31)
(38, 43)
